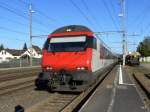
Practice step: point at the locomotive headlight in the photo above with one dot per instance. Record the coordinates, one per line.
(49, 68)
(81, 68)
(78, 68)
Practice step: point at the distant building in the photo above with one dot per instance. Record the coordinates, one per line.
(145, 59)
(9, 54)
(35, 52)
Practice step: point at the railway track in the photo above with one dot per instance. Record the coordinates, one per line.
(67, 102)
(17, 80)
(141, 78)
(53, 104)
(13, 88)
(147, 75)
(144, 83)
(14, 76)
(7, 73)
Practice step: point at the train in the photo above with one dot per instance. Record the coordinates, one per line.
(133, 58)
(73, 58)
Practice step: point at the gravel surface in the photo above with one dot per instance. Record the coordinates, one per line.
(26, 98)
(147, 66)
(17, 81)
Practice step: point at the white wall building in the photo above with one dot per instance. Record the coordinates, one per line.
(35, 52)
(145, 59)
(9, 54)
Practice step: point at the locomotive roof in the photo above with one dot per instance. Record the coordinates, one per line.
(72, 28)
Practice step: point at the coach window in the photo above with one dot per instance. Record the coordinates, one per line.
(94, 43)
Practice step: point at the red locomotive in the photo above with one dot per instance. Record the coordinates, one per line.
(73, 57)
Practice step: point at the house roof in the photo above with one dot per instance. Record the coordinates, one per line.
(15, 52)
(37, 49)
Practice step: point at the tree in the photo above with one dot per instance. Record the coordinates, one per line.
(25, 46)
(144, 47)
(1, 47)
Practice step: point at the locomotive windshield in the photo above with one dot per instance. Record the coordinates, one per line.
(66, 44)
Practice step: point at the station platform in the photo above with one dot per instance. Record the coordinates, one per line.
(116, 94)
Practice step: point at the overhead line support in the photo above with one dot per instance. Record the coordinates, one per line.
(30, 32)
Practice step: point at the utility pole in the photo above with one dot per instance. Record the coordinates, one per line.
(30, 25)
(124, 40)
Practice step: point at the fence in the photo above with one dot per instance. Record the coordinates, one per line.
(20, 63)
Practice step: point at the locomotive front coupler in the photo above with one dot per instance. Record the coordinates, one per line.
(65, 77)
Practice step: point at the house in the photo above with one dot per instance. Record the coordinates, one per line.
(35, 52)
(145, 59)
(9, 54)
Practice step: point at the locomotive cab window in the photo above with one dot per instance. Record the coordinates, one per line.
(92, 42)
(70, 44)
(66, 44)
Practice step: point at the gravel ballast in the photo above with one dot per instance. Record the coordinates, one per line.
(26, 98)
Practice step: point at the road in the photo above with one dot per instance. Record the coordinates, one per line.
(117, 94)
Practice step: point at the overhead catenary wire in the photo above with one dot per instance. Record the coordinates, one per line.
(81, 12)
(12, 11)
(19, 23)
(37, 11)
(89, 16)
(11, 20)
(8, 6)
(92, 15)
(138, 20)
(22, 16)
(16, 39)
(109, 12)
(114, 10)
(115, 25)
(15, 31)
(53, 20)
(26, 3)
(40, 36)
(46, 16)
(146, 28)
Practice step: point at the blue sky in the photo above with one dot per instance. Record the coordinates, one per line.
(98, 15)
